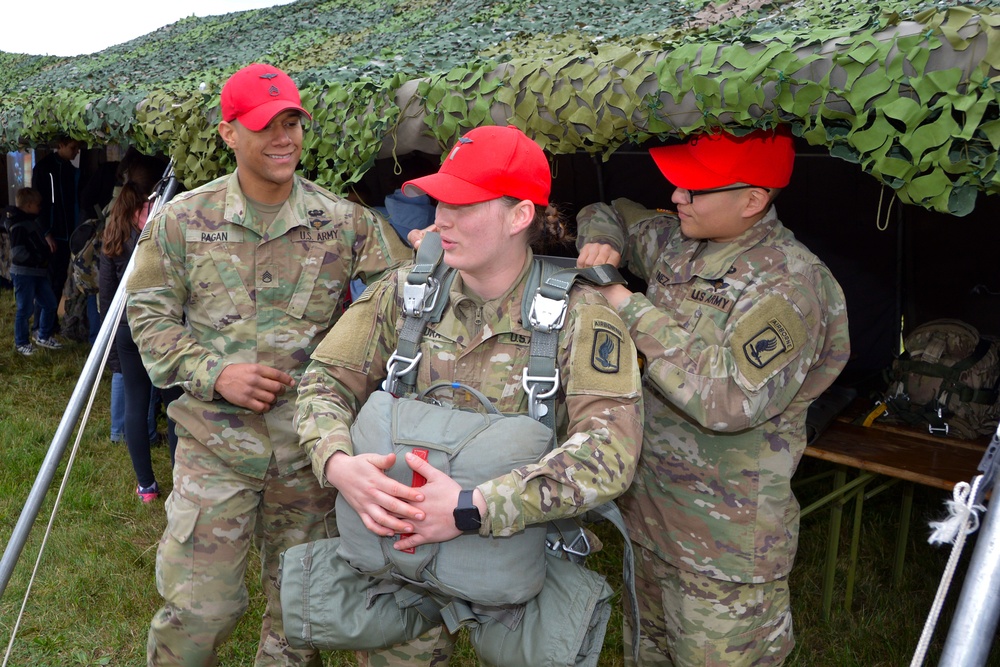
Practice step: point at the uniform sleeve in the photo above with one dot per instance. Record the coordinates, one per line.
(345, 369)
(637, 233)
(599, 223)
(377, 249)
(41, 180)
(596, 456)
(747, 372)
(157, 292)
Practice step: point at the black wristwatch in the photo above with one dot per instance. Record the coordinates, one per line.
(466, 514)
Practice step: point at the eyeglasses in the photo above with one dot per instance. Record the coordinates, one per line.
(692, 193)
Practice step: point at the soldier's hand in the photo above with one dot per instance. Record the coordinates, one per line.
(440, 499)
(383, 504)
(595, 254)
(415, 236)
(253, 386)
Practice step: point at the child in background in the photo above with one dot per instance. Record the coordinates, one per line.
(29, 271)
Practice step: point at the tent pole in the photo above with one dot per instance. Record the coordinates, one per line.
(972, 629)
(900, 277)
(91, 371)
(43, 480)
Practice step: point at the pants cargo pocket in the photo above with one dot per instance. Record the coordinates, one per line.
(175, 556)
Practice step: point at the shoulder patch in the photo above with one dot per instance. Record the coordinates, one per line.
(605, 353)
(602, 357)
(766, 339)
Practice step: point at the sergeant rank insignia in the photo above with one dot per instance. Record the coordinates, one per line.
(768, 344)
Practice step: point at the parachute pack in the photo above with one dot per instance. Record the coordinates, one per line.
(946, 380)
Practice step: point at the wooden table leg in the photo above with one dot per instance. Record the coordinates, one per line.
(902, 534)
(833, 543)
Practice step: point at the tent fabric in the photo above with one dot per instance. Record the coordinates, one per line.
(907, 90)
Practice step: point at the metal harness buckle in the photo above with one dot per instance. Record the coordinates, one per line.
(580, 546)
(547, 314)
(420, 298)
(392, 372)
(531, 384)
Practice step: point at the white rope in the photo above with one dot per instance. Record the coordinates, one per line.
(963, 519)
(55, 506)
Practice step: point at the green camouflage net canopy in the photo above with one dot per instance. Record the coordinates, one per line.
(909, 91)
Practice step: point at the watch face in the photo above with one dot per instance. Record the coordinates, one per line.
(467, 518)
(466, 513)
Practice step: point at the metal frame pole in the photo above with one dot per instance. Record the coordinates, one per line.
(91, 372)
(972, 629)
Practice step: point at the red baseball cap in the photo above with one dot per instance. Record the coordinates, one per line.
(762, 157)
(488, 163)
(256, 94)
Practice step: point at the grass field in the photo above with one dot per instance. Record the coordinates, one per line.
(94, 593)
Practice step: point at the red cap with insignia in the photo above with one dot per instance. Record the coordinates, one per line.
(763, 158)
(256, 94)
(488, 163)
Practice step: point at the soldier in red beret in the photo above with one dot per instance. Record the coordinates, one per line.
(741, 327)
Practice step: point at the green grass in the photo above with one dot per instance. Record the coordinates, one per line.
(94, 593)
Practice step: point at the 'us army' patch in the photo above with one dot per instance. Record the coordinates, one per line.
(605, 354)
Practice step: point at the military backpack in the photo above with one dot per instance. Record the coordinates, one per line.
(85, 251)
(946, 380)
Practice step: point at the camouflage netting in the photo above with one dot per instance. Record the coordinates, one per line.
(909, 91)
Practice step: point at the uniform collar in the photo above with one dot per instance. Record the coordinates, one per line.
(291, 215)
(695, 259)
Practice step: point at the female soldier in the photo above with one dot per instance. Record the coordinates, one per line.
(491, 189)
(126, 220)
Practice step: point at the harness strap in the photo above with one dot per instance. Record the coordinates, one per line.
(428, 281)
(567, 537)
(545, 313)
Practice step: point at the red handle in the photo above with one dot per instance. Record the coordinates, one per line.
(418, 481)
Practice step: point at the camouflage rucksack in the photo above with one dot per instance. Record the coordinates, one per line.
(85, 249)
(946, 379)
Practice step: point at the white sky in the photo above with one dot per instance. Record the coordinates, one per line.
(76, 27)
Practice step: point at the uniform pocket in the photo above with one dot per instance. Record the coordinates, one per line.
(317, 293)
(182, 517)
(218, 297)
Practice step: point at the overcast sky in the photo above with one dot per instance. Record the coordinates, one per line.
(75, 27)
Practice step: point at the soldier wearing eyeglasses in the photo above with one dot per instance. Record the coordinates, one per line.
(741, 328)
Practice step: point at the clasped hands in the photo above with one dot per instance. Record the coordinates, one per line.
(423, 515)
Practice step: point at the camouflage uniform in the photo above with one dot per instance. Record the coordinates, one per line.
(212, 286)
(485, 346)
(739, 338)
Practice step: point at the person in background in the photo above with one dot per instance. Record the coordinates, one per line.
(126, 220)
(235, 284)
(57, 179)
(30, 272)
(5, 282)
(741, 328)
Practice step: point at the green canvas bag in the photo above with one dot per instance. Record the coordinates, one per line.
(326, 605)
